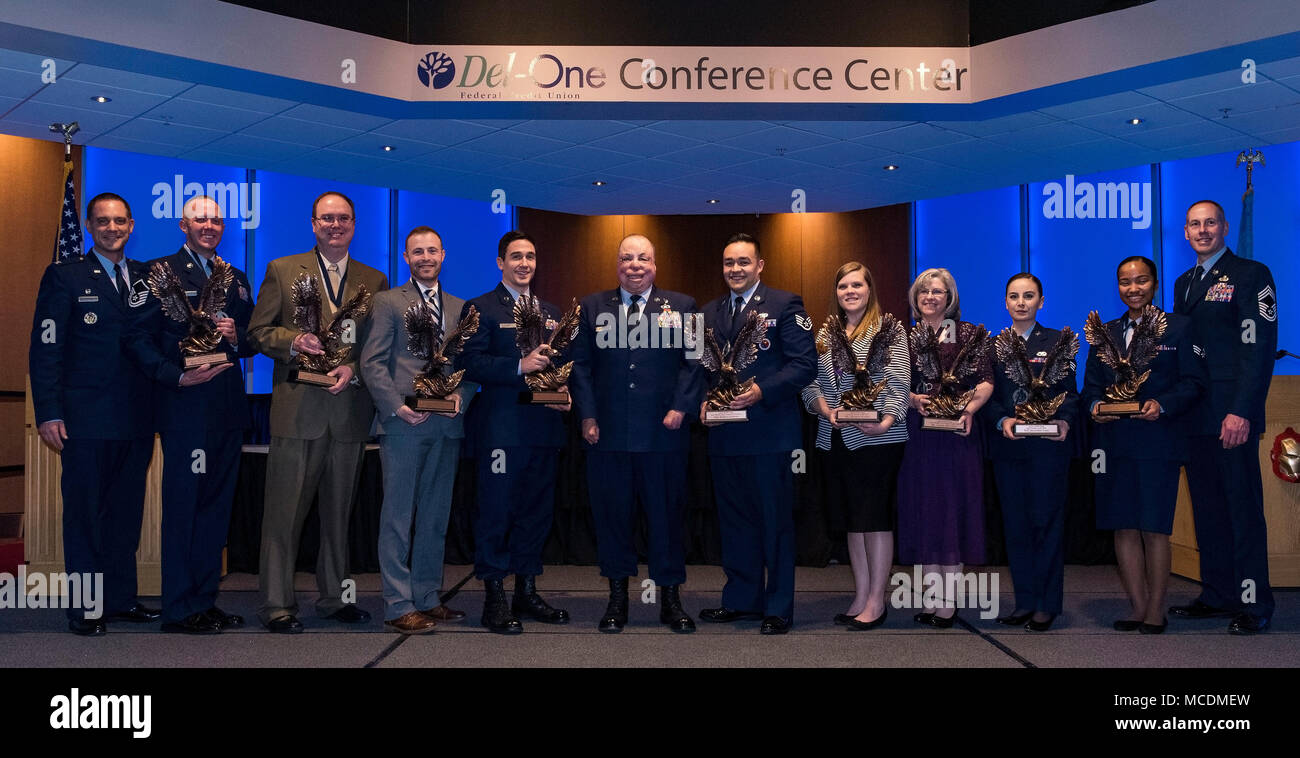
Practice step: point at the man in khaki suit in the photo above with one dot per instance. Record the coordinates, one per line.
(318, 434)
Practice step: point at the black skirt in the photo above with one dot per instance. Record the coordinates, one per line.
(861, 486)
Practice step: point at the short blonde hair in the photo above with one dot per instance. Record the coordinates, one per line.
(953, 311)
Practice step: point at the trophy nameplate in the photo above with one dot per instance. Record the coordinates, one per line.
(725, 416)
(544, 397)
(547, 386)
(307, 376)
(1036, 430)
(430, 404)
(313, 370)
(937, 424)
(1129, 408)
(856, 415)
(725, 364)
(204, 359)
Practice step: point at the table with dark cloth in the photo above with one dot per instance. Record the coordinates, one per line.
(573, 535)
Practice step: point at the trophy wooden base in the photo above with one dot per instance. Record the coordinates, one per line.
(314, 378)
(203, 359)
(1036, 430)
(726, 416)
(430, 404)
(941, 424)
(544, 398)
(856, 415)
(1128, 408)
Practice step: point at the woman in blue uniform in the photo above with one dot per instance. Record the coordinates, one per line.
(1137, 474)
(1032, 473)
(862, 459)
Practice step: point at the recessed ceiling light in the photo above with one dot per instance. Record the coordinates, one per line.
(598, 183)
(892, 167)
(713, 201)
(388, 148)
(1134, 121)
(102, 99)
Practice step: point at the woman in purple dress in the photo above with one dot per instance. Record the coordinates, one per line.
(941, 482)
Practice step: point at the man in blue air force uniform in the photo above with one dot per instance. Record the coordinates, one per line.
(1233, 305)
(753, 481)
(634, 393)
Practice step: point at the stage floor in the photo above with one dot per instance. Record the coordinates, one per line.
(1082, 637)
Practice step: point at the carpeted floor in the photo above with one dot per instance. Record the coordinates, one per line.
(1082, 637)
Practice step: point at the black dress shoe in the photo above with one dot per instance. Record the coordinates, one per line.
(1040, 626)
(1199, 610)
(863, 626)
(1146, 628)
(136, 614)
(1126, 625)
(1248, 623)
(1015, 619)
(88, 627)
(937, 622)
(842, 619)
(671, 612)
(726, 615)
(615, 617)
(774, 625)
(528, 603)
(195, 623)
(224, 620)
(284, 625)
(350, 614)
(497, 616)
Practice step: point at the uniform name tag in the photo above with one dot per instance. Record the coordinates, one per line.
(1219, 293)
(191, 293)
(510, 325)
(1166, 347)
(88, 299)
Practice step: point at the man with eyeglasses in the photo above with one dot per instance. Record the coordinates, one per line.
(318, 435)
(92, 405)
(419, 450)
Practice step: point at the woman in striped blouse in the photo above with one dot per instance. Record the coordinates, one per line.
(862, 459)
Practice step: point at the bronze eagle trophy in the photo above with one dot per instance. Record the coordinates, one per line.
(1037, 410)
(857, 403)
(947, 401)
(1127, 365)
(725, 364)
(434, 385)
(531, 324)
(199, 348)
(336, 339)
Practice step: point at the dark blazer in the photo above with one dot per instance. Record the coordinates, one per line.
(1002, 404)
(629, 391)
(491, 359)
(218, 404)
(79, 371)
(1178, 379)
(389, 369)
(786, 363)
(301, 411)
(1240, 371)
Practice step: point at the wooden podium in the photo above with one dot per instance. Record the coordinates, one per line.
(1281, 499)
(44, 523)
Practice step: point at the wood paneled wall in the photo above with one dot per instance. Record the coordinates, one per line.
(29, 212)
(576, 254)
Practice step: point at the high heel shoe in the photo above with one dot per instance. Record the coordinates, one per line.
(1015, 619)
(1146, 628)
(938, 622)
(862, 626)
(1040, 626)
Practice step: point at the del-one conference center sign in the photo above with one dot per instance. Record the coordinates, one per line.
(693, 74)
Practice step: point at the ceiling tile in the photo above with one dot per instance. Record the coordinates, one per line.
(645, 142)
(652, 170)
(35, 64)
(912, 137)
(1273, 70)
(208, 115)
(1154, 116)
(1244, 99)
(1096, 105)
(711, 156)
(19, 84)
(537, 173)
(232, 99)
(148, 147)
(372, 144)
(846, 129)
(434, 131)
(996, 125)
(257, 147)
(1185, 134)
(149, 130)
(461, 160)
(1200, 85)
(1263, 121)
(311, 133)
(837, 153)
(777, 141)
(348, 119)
(78, 95)
(576, 132)
(709, 131)
(1046, 138)
(44, 114)
(586, 158)
(155, 85)
(514, 145)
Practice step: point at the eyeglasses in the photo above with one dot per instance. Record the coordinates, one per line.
(935, 293)
(330, 218)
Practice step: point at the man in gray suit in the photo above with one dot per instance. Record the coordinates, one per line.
(318, 434)
(419, 451)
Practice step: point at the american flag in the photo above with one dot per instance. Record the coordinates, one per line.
(67, 245)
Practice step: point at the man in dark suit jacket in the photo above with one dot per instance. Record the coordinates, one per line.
(751, 461)
(517, 446)
(419, 451)
(201, 426)
(634, 387)
(92, 405)
(318, 435)
(1233, 305)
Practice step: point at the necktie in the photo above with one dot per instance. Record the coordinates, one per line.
(1196, 278)
(204, 266)
(1129, 325)
(634, 311)
(432, 300)
(333, 270)
(120, 281)
(735, 312)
